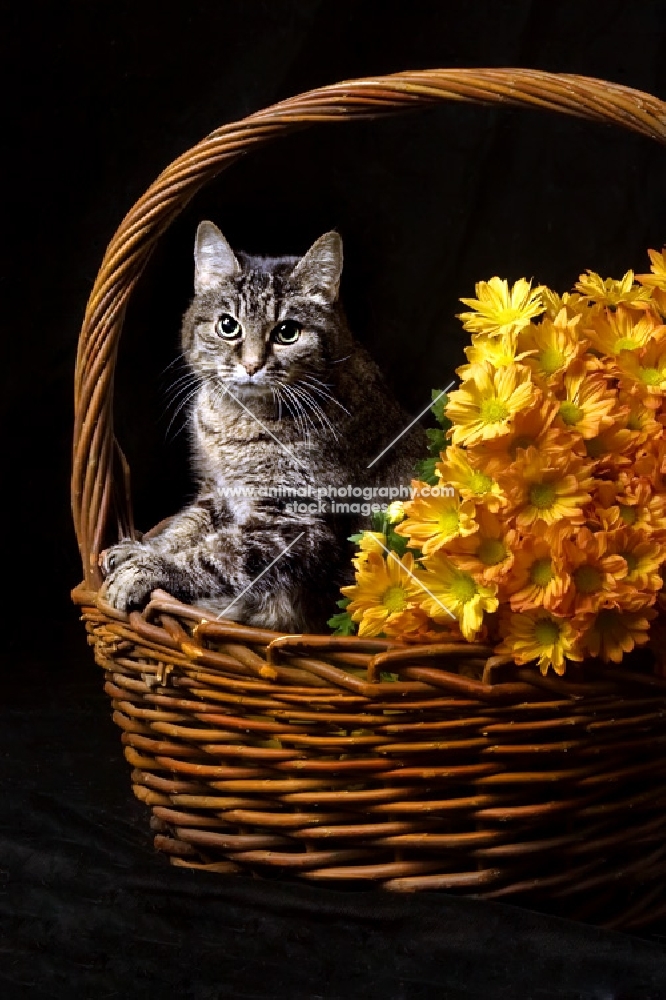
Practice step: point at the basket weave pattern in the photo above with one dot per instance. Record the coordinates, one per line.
(298, 754)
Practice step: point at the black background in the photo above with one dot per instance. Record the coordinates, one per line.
(96, 100)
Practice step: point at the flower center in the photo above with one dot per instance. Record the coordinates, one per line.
(541, 572)
(491, 551)
(480, 483)
(570, 413)
(588, 579)
(449, 522)
(634, 421)
(595, 447)
(625, 344)
(631, 560)
(628, 514)
(546, 632)
(551, 360)
(463, 588)
(394, 599)
(542, 495)
(651, 376)
(494, 411)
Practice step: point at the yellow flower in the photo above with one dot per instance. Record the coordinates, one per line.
(655, 282)
(434, 518)
(471, 483)
(623, 330)
(541, 636)
(499, 309)
(385, 597)
(645, 370)
(551, 347)
(371, 541)
(588, 403)
(539, 578)
(610, 292)
(572, 303)
(499, 351)
(486, 405)
(453, 591)
(395, 512)
(612, 633)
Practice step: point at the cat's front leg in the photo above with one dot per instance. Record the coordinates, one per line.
(130, 583)
(111, 558)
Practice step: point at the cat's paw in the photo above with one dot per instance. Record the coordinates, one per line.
(129, 586)
(111, 558)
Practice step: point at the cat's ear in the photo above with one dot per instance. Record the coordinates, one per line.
(320, 269)
(214, 260)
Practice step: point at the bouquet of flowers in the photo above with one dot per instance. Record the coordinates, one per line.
(538, 524)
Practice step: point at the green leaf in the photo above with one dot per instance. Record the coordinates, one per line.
(342, 624)
(438, 408)
(356, 539)
(379, 521)
(343, 602)
(397, 543)
(385, 676)
(436, 440)
(425, 470)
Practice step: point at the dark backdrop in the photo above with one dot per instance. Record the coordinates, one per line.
(97, 99)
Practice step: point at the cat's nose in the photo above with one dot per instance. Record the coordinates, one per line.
(251, 367)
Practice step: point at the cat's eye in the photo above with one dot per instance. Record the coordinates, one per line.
(228, 327)
(287, 332)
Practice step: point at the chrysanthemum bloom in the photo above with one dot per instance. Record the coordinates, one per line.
(595, 571)
(643, 555)
(541, 636)
(655, 282)
(550, 490)
(499, 351)
(538, 578)
(471, 483)
(588, 404)
(371, 541)
(531, 428)
(499, 309)
(432, 521)
(488, 554)
(623, 330)
(486, 405)
(573, 303)
(634, 424)
(630, 502)
(449, 590)
(551, 347)
(611, 633)
(610, 292)
(386, 596)
(644, 372)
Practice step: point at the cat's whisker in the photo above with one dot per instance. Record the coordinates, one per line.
(311, 403)
(340, 360)
(299, 414)
(320, 390)
(183, 403)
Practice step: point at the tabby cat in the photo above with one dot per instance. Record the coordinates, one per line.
(285, 397)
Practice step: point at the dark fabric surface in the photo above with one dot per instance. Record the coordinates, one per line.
(97, 98)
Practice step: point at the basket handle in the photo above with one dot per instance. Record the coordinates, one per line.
(95, 449)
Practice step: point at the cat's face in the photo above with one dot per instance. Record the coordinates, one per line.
(261, 326)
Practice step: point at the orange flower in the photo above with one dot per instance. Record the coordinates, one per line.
(489, 553)
(551, 347)
(539, 577)
(623, 330)
(595, 572)
(550, 490)
(471, 483)
(611, 633)
(588, 403)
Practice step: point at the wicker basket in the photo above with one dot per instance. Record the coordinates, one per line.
(294, 755)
